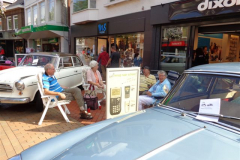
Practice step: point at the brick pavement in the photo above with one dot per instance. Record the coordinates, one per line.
(19, 129)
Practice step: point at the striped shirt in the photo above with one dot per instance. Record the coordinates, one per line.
(50, 83)
(145, 81)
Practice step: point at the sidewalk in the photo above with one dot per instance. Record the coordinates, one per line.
(19, 129)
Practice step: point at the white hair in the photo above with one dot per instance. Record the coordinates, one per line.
(48, 66)
(162, 72)
(93, 63)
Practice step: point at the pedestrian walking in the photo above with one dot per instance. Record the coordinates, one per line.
(115, 60)
(104, 57)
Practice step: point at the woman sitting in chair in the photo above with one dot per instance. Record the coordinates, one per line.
(94, 77)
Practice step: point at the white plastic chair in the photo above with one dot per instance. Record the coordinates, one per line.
(47, 101)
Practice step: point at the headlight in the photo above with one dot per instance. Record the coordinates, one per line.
(17, 157)
(19, 85)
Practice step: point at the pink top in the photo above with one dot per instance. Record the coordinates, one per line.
(91, 76)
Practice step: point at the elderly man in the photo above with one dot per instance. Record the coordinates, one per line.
(157, 91)
(147, 80)
(52, 87)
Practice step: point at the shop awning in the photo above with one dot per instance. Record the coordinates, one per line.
(46, 31)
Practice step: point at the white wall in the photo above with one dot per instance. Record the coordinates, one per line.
(123, 8)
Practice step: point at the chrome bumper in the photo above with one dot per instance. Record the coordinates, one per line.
(15, 100)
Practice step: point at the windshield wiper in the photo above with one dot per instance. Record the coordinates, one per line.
(183, 113)
(208, 114)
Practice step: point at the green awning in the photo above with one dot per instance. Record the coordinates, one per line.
(46, 31)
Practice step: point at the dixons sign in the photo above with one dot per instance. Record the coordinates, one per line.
(199, 8)
(217, 4)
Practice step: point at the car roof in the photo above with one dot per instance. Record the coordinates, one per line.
(60, 54)
(229, 67)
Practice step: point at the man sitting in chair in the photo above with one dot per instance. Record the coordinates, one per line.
(52, 87)
(156, 92)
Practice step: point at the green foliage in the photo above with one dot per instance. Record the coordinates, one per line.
(79, 5)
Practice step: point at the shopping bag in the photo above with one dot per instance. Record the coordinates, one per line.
(91, 98)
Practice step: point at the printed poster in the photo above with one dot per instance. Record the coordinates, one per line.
(122, 91)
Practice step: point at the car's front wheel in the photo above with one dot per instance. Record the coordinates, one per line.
(38, 102)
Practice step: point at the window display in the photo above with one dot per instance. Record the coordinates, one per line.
(174, 48)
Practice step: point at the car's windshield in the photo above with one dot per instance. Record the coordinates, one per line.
(194, 87)
(38, 60)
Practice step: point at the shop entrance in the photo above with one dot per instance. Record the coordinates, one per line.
(217, 44)
(102, 42)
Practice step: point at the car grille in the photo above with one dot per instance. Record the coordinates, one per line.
(5, 88)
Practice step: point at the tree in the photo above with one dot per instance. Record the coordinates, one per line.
(2, 9)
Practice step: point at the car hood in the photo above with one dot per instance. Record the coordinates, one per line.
(13, 74)
(148, 134)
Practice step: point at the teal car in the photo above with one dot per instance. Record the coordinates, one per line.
(168, 131)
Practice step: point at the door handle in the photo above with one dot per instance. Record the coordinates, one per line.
(76, 71)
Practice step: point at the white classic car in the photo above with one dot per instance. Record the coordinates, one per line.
(19, 85)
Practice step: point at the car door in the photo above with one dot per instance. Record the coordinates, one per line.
(67, 72)
(78, 65)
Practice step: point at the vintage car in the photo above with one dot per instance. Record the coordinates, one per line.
(19, 85)
(168, 131)
(5, 63)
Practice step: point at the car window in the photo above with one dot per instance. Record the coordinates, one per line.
(38, 60)
(67, 62)
(60, 63)
(76, 62)
(194, 87)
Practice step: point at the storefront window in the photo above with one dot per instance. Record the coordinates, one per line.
(18, 46)
(86, 49)
(50, 45)
(35, 15)
(130, 46)
(42, 5)
(51, 10)
(174, 49)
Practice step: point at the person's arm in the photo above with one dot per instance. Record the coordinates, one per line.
(163, 92)
(47, 92)
(109, 61)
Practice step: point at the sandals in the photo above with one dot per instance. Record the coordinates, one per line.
(85, 115)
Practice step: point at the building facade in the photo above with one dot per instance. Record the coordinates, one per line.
(13, 21)
(180, 28)
(46, 28)
(103, 23)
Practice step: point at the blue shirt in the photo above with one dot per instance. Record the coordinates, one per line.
(50, 83)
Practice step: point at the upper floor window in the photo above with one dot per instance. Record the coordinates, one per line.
(29, 16)
(15, 22)
(79, 5)
(51, 10)
(35, 15)
(42, 10)
(9, 23)
(0, 24)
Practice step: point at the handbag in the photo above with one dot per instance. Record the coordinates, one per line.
(91, 98)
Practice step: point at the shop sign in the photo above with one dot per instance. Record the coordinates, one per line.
(103, 28)
(26, 29)
(195, 8)
(175, 44)
(53, 40)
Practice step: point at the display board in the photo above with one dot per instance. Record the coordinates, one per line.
(122, 91)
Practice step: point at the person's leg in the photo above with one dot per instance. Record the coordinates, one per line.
(144, 100)
(75, 94)
(103, 72)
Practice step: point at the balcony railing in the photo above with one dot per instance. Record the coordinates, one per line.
(79, 5)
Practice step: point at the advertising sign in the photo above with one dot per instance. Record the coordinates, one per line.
(200, 8)
(102, 28)
(122, 91)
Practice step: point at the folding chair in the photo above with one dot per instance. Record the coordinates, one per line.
(173, 77)
(49, 103)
